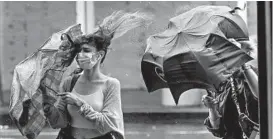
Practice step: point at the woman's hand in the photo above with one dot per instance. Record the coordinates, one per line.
(71, 99)
(214, 115)
(209, 102)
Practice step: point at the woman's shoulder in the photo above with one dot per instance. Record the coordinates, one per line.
(113, 81)
(112, 84)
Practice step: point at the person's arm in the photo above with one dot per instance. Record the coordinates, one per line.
(56, 114)
(214, 118)
(214, 122)
(110, 118)
(250, 74)
(218, 131)
(251, 79)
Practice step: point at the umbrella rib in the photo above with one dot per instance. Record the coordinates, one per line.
(170, 49)
(56, 70)
(50, 89)
(153, 63)
(200, 25)
(171, 41)
(195, 56)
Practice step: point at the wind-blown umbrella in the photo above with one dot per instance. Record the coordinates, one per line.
(36, 80)
(195, 49)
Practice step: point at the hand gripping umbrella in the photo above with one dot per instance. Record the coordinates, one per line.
(195, 50)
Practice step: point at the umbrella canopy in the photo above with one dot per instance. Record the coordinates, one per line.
(36, 80)
(196, 51)
(154, 80)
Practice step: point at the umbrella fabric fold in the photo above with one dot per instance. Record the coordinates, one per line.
(36, 80)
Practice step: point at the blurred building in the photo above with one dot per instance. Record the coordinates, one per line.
(25, 26)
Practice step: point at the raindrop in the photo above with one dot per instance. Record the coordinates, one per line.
(148, 135)
(154, 127)
(126, 74)
(10, 26)
(11, 42)
(12, 58)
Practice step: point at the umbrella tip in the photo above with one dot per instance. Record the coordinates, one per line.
(176, 100)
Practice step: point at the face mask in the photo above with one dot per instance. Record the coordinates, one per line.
(87, 60)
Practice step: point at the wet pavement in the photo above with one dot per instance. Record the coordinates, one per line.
(138, 126)
(142, 127)
(135, 131)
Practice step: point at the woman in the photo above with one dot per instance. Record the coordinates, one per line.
(236, 99)
(89, 106)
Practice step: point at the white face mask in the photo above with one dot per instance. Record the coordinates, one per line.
(87, 60)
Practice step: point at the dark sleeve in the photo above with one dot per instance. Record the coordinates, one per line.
(217, 132)
(56, 114)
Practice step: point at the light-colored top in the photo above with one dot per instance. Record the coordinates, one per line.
(102, 118)
(94, 99)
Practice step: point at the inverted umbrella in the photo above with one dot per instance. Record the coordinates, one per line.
(196, 51)
(36, 80)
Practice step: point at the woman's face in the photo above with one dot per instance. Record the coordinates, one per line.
(88, 57)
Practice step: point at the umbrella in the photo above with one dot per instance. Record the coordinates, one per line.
(196, 51)
(154, 80)
(36, 80)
